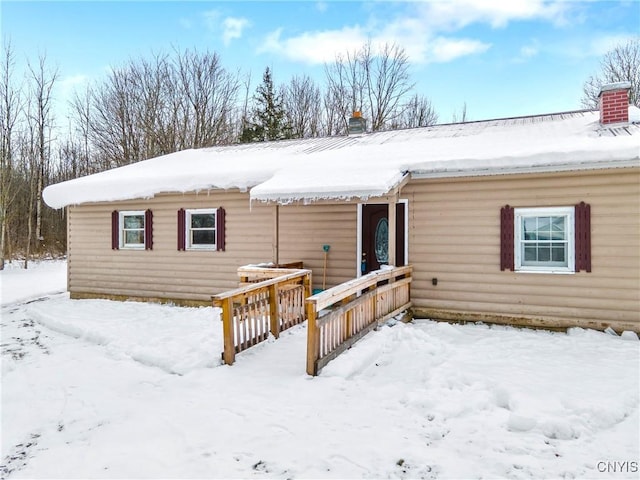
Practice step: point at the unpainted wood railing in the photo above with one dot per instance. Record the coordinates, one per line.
(258, 273)
(250, 312)
(340, 316)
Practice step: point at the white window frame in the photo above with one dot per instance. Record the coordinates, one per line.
(569, 214)
(187, 225)
(131, 213)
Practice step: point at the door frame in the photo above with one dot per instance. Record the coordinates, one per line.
(405, 201)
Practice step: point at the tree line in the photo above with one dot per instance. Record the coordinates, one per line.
(163, 103)
(167, 102)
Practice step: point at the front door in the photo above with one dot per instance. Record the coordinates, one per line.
(375, 236)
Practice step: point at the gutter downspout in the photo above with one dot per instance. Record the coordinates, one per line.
(276, 235)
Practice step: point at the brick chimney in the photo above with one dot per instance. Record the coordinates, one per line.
(614, 102)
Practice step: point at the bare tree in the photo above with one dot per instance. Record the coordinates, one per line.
(243, 121)
(40, 119)
(417, 112)
(622, 63)
(462, 117)
(346, 83)
(10, 106)
(155, 106)
(388, 82)
(302, 107)
(79, 133)
(211, 94)
(333, 114)
(375, 82)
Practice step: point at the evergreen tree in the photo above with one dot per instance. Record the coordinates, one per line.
(268, 121)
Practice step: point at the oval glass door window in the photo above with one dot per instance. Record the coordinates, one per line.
(382, 241)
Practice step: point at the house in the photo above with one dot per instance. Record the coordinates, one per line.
(530, 221)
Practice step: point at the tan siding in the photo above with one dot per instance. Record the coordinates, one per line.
(165, 272)
(305, 229)
(454, 237)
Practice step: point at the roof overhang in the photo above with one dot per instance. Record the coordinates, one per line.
(374, 193)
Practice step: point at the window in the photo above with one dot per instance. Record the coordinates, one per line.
(132, 233)
(550, 240)
(201, 229)
(132, 229)
(544, 239)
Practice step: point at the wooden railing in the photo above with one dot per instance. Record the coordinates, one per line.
(353, 309)
(257, 273)
(250, 312)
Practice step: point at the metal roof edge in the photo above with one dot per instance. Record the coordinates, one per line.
(566, 167)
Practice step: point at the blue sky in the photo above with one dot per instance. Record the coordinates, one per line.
(503, 58)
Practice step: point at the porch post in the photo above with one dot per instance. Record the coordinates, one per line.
(392, 232)
(276, 235)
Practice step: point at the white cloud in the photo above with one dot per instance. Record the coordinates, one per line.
(596, 45)
(528, 51)
(425, 29)
(68, 84)
(453, 15)
(315, 47)
(185, 23)
(447, 49)
(230, 28)
(321, 6)
(320, 47)
(212, 19)
(233, 28)
(602, 44)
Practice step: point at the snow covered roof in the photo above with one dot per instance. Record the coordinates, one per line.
(369, 165)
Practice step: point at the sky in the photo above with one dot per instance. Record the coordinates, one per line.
(500, 58)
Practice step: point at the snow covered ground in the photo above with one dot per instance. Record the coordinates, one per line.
(99, 389)
(41, 278)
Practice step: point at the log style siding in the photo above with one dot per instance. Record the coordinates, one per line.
(304, 229)
(454, 236)
(164, 273)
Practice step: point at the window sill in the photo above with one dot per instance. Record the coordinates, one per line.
(550, 271)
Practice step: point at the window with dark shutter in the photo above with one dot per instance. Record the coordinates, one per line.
(546, 239)
(220, 229)
(583, 236)
(115, 230)
(506, 239)
(201, 229)
(182, 229)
